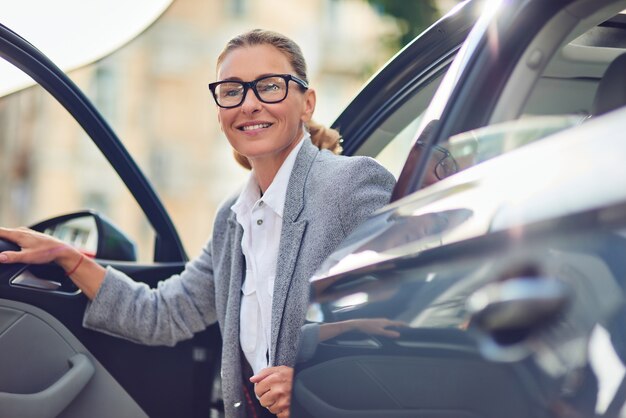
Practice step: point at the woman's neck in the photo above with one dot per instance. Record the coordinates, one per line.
(264, 172)
(265, 168)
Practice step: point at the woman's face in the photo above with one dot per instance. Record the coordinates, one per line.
(271, 130)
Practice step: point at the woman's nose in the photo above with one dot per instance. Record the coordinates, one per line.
(251, 103)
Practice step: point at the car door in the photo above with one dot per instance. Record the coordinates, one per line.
(51, 365)
(505, 298)
(499, 325)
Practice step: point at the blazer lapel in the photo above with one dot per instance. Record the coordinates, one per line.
(237, 263)
(290, 237)
(231, 366)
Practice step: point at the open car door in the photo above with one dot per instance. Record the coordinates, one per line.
(51, 365)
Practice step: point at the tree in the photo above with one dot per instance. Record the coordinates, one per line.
(413, 16)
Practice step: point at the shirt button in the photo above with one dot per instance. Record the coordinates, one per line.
(259, 222)
(237, 404)
(260, 203)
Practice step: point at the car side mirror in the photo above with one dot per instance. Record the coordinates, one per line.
(92, 234)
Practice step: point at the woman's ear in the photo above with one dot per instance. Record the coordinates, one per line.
(309, 105)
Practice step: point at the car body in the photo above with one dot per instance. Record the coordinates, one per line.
(504, 277)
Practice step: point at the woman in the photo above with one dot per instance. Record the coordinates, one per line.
(252, 276)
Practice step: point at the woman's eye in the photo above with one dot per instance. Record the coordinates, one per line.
(231, 93)
(269, 87)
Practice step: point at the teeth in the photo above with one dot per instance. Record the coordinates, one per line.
(259, 126)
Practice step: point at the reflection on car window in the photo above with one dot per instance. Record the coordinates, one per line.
(440, 323)
(49, 167)
(476, 146)
(434, 296)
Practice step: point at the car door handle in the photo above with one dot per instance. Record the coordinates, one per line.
(511, 310)
(51, 401)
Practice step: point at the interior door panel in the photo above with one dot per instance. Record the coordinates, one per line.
(164, 381)
(430, 379)
(47, 372)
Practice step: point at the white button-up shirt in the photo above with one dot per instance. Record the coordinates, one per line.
(261, 218)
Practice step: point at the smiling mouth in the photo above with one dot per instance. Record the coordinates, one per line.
(254, 127)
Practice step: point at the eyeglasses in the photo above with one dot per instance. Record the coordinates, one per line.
(445, 165)
(269, 89)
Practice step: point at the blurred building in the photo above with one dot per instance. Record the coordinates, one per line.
(154, 94)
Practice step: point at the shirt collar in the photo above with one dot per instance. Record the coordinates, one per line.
(275, 195)
(248, 196)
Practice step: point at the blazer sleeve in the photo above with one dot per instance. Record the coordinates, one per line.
(174, 311)
(367, 188)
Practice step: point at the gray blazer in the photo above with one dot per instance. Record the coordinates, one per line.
(327, 197)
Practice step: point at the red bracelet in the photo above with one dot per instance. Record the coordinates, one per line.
(72, 271)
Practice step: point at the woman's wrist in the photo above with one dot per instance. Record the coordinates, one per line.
(76, 266)
(349, 325)
(67, 257)
(82, 270)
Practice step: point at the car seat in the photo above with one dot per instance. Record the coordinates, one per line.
(611, 92)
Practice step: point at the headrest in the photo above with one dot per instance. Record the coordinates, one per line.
(611, 92)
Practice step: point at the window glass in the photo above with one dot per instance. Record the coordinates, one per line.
(533, 107)
(391, 141)
(467, 149)
(393, 155)
(50, 167)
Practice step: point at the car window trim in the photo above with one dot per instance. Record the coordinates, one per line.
(26, 57)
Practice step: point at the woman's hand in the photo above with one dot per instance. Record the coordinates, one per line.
(273, 389)
(377, 326)
(37, 248)
(370, 326)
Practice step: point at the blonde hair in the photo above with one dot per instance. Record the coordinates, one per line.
(321, 136)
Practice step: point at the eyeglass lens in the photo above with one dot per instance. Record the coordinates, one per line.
(268, 90)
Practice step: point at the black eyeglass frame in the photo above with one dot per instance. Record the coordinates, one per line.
(252, 86)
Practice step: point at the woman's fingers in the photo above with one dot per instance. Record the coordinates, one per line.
(379, 326)
(283, 414)
(273, 388)
(9, 257)
(36, 248)
(263, 374)
(9, 234)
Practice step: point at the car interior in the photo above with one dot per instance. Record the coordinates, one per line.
(568, 74)
(572, 71)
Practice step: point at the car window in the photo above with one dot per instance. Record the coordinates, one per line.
(533, 105)
(467, 149)
(392, 139)
(50, 167)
